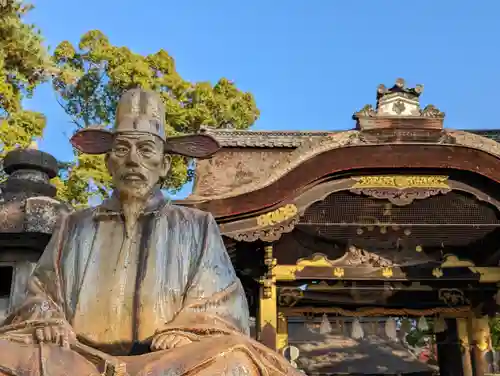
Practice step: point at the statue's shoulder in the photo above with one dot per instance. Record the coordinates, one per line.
(79, 215)
(184, 213)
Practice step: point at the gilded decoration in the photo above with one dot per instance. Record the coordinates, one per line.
(452, 297)
(401, 181)
(289, 296)
(268, 281)
(271, 225)
(401, 189)
(359, 256)
(486, 274)
(437, 272)
(269, 234)
(353, 257)
(317, 260)
(277, 216)
(452, 261)
(338, 272)
(387, 272)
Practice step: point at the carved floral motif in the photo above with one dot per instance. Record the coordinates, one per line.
(452, 297)
(401, 198)
(269, 235)
(366, 111)
(353, 257)
(432, 112)
(357, 256)
(401, 181)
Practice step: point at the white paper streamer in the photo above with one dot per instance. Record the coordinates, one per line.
(405, 325)
(439, 325)
(325, 326)
(357, 330)
(391, 329)
(422, 324)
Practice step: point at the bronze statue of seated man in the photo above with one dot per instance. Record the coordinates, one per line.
(136, 286)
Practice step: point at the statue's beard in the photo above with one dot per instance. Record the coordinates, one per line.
(133, 198)
(137, 192)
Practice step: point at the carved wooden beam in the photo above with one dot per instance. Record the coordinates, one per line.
(270, 224)
(450, 269)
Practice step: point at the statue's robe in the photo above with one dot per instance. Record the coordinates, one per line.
(117, 291)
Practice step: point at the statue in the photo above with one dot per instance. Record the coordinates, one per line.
(136, 286)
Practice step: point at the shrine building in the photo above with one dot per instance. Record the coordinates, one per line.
(348, 241)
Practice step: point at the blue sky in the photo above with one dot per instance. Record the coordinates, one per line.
(310, 64)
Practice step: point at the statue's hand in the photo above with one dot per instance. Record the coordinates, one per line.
(62, 335)
(165, 341)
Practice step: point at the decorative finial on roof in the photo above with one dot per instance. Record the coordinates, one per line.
(398, 101)
(399, 90)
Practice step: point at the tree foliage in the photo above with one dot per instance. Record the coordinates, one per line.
(24, 64)
(93, 75)
(495, 332)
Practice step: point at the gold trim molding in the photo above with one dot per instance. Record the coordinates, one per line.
(452, 261)
(317, 261)
(288, 272)
(401, 182)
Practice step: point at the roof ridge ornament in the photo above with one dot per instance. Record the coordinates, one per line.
(397, 104)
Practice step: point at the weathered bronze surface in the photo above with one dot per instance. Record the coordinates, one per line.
(135, 286)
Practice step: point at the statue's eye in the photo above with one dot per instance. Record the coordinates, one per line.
(147, 151)
(120, 150)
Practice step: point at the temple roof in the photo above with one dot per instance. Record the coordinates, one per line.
(259, 169)
(292, 139)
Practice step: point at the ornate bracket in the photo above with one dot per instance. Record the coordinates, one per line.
(270, 226)
(290, 296)
(277, 216)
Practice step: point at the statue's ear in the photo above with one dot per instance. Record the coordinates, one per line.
(106, 161)
(167, 162)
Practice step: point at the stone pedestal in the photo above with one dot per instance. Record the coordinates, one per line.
(28, 213)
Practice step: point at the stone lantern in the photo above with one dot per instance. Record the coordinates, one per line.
(28, 213)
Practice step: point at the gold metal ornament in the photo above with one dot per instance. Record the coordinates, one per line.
(387, 272)
(437, 272)
(402, 181)
(277, 216)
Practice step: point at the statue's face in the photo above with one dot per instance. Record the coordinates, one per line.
(136, 162)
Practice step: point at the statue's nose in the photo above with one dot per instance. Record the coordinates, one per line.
(132, 158)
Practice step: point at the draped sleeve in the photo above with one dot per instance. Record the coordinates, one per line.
(44, 298)
(214, 289)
